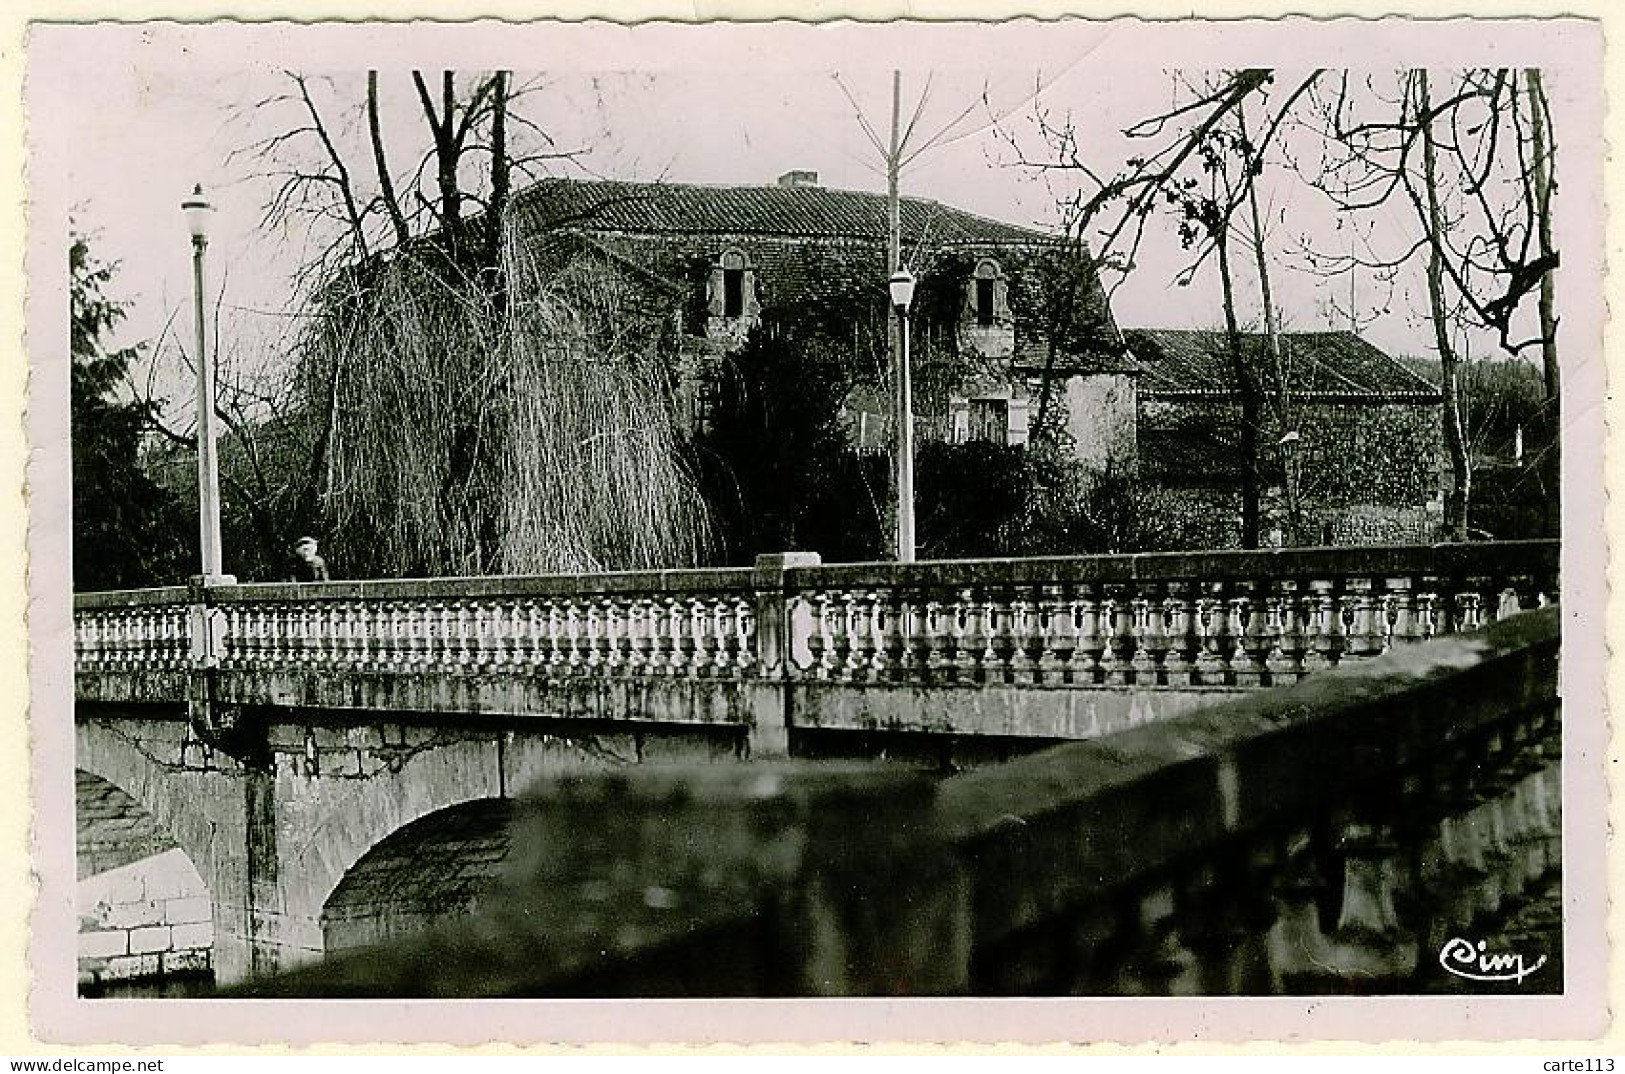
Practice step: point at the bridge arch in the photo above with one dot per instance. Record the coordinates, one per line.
(135, 765)
(438, 866)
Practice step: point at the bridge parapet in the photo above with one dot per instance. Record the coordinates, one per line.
(1354, 832)
(1215, 618)
(938, 646)
(1154, 620)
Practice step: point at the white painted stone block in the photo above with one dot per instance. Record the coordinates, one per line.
(185, 936)
(130, 915)
(103, 944)
(187, 911)
(155, 938)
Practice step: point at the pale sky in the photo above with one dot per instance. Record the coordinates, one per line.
(139, 113)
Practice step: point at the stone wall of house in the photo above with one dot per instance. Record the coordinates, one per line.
(1368, 473)
(1101, 419)
(802, 285)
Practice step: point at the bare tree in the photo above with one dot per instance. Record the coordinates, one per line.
(438, 354)
(1473, 166)
(1201, 165)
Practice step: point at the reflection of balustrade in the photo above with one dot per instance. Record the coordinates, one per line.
(1174, 620)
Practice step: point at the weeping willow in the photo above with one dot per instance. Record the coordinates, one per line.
(511, 421)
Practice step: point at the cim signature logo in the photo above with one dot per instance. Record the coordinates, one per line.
(1476, 962)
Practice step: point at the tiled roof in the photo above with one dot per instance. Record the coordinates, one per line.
(1180, 363)
(809, 211)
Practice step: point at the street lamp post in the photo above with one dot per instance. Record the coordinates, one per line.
(198, 210)
(902, 296)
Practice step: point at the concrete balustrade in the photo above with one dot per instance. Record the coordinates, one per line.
(969, 647)
(1347, 833)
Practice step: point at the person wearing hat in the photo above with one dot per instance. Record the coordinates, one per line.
(306, 565)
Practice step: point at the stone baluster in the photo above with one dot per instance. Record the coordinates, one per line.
(413, 632)
(148, 634)
(589, 626)
(249, 637)
(1054, 633)
(818, 637)
(747, 657)
(338, 637)
(387, 648)
(1181, 641)
(313, 635)
(552, 639)
(454, 648)
(1404, 623)
(679, 644)
(639, 643)
(895, 659)
(113, 647)
(1368, 633)
(86, 641)
(1325, 621)
(994, 616)
(720, 614)
(1120, 637)
(575, 640)
(277, 629)
(142, 630)
(1469, 607)
(442, 622)
(842, 612)
(109, 647)
(1258, 635)
(851, 655)
(970, 638)
(1091, 634)
(83, 625)
(1287, 614)
(938, 639)
(363, 622)
(1428, 608)
(696, 637)
(612, 637)
(275, 620)
(1213, 663)
(1151, 633)
(502, 624)
(528, 625)
(1028, 625)
(181, 631)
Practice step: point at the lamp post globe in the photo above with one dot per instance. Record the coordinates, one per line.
(198, 210)
(902, 290)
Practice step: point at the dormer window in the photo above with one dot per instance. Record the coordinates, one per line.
(987, 293)
(986, 325)
(733, 284)
(731, 305)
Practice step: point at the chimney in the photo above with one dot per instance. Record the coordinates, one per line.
(798, 178)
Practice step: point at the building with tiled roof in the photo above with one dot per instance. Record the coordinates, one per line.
(1019, 319)
(1357, 428)
(737, 260)
(1325, 367)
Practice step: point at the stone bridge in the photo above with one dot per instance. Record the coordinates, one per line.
(270, 773)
